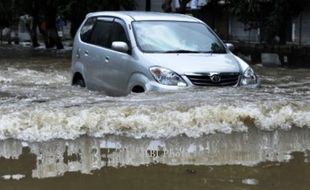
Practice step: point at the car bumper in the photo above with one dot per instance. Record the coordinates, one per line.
(154, 86)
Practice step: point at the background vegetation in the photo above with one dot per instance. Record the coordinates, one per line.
(272, 16)
(46, 12)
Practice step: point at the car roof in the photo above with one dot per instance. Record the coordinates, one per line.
(145, 16)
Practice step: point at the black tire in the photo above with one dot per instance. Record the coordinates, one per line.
(79, 82)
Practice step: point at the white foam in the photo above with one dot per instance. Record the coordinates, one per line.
(5, 80)
(41, 123)
(30, 76)
(13, 177)
(250, 181)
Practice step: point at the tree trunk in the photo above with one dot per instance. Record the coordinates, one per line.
(52, 34)
(35, 22)
(183, 4)
(147, 5)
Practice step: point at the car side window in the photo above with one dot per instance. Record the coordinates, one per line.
(119, 33)
(101, 34)
(87, 28)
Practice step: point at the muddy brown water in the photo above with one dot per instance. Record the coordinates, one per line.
(55, 136)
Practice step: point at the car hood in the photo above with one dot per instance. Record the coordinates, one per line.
(195, 63)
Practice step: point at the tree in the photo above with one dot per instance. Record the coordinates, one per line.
(45, 12)
(271, 16)
(247, 11)
(5, 13)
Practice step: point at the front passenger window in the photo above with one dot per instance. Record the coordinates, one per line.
(119, 33)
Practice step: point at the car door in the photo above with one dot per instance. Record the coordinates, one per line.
(119, 65)
(97, 51)
(81, 48)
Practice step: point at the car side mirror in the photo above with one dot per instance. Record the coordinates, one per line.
(120, 46)
(230, 46)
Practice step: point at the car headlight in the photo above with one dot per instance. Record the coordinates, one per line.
(248, 77)
(167, 77)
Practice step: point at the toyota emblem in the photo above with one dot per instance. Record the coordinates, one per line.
(216, 78)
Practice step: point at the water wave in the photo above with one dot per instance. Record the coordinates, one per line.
(26, 76)
(43, 122)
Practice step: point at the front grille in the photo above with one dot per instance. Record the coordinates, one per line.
(214, 79)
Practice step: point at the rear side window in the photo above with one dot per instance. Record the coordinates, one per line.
(86, 29)
(101, 34)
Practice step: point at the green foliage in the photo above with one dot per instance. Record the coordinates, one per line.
(6, 12)
(247, 11)
(270, 15)
(10, 10)
(253, 12)
(73, 10)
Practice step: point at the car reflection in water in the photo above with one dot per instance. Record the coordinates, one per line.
(85, 155)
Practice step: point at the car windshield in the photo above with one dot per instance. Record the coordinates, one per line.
(176, 37)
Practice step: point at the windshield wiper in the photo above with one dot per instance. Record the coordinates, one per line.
(190, 51)
(182, 51)
(216, 51)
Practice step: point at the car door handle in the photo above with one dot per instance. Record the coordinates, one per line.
(86, 53)
(78, 52)
(107, 59)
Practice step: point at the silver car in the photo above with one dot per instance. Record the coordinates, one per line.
(124, 52)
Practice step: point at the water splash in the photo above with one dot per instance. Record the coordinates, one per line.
(42, 122)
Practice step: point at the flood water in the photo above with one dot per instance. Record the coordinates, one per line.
(55, 136)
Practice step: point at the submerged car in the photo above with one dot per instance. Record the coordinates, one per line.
(124, 52)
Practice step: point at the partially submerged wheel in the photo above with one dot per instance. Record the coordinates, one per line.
(80, 83)
(78, 80)
(138, 89)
